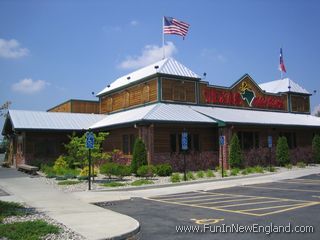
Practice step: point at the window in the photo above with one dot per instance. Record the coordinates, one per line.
(173, 142)
(125, 144)
(146, 93)
(196, 144)
(248, 140)
(126, 98)
(179, 93)
(128, 143)
(132, 139)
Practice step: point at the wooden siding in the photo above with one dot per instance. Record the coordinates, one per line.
(300, 103)
(178, 90)
(137, 95)
(77, 106)
(115, 137)
(64, 107)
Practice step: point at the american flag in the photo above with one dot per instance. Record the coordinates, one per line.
(282, 68)
(174, 26)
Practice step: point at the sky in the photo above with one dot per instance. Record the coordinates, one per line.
(52, 51)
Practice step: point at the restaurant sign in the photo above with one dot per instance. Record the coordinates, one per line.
(244, 96)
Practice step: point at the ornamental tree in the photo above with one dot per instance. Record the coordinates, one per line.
(235, 155)
(316, 148)
(139, 156)
(282, 151)
(77, 153)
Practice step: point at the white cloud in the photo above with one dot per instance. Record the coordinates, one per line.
(213, 55)
(29, 86)
(149, 55)
(134, 23)
(11, 49)
(316, 110)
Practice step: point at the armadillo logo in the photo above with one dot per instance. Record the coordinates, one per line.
(247, 94)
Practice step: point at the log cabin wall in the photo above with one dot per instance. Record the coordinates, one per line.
(142, 93)
(178, 90)
(77, 106)
(63, 107)
(300, 103)
(44, 147)
(85, 106)
(203, 145)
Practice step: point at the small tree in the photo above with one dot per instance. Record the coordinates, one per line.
(316, 148)
(235, 156)
(282, 151)
(139, 157)
(77, 153)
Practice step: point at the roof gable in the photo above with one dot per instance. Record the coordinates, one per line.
(167, 66)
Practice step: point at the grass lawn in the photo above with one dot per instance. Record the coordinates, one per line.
(30, 230)
(69, 182)
(141, 182)
(113, 184)
(11, 209)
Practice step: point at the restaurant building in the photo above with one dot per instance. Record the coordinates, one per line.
(159, 102)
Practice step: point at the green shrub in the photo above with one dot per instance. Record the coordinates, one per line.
(108, 169)
(218, 169)
(146, 171)
(301, 165)
(113, 184)
(60, 165)
(235, 156)
(85, 171)
(271, 169)
(141, 182)
(47, 170)
(175, 177)
(209, 173)
(244, 171)
(225, 173)
(164, 170)
(316, 148)
(288, 166)
(122, 171)
(200, 174)
(190, 176)
(282, 151)
(139, 156)
(258, 169)
(29, 230)
(234, 171)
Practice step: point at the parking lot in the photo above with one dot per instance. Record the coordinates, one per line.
(295, 202)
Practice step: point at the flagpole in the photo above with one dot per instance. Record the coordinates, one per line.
(163, 50)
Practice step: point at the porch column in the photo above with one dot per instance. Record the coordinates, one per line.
(224, 150)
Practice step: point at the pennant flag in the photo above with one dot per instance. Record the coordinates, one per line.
(282, 68)
(174, 26)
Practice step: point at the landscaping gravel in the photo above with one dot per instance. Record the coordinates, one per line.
(100, 179)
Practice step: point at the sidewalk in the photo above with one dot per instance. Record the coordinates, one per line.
(88, 220)
(103, 196)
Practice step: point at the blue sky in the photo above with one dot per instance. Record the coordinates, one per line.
(51, 51)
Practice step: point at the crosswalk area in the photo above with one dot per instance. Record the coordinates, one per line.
(234, 203)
